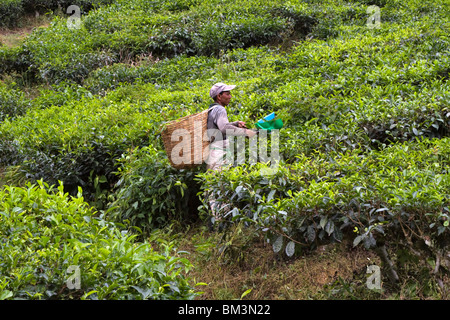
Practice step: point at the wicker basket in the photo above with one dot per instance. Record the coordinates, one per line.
(185, 140)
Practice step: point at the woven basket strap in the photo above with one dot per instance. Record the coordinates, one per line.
(213, 107)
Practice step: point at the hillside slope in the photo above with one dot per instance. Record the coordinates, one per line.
(364, 151)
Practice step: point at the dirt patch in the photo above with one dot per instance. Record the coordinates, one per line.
(304, 276)
(14, 36)
(271, 277)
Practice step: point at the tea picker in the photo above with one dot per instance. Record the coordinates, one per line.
(184, 138)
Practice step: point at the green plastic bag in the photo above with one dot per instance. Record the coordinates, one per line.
(270, 124)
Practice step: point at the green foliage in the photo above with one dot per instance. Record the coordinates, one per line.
(12, 61)
(364, 150)
(63, 58)
(10, 12)
(45, 231)
(59, 95)
(162, 73)
(50, 149)
(150, 193)
(12, 103)
(125, 30)
(398, 193)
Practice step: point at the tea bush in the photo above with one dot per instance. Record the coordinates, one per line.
(10, 12)
(64, 58)
(43, 5)
(163, 73)
(364, 151)
(80, 154)
(12, 103)
(79, 142)
(399, 194)
(150, 193)
(125, 30)
(45, 233)
(13, 61)
(59, 95)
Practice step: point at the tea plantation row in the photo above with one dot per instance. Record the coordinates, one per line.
(364, 151)
(126, 30)
(46, 235)
(12, 12)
